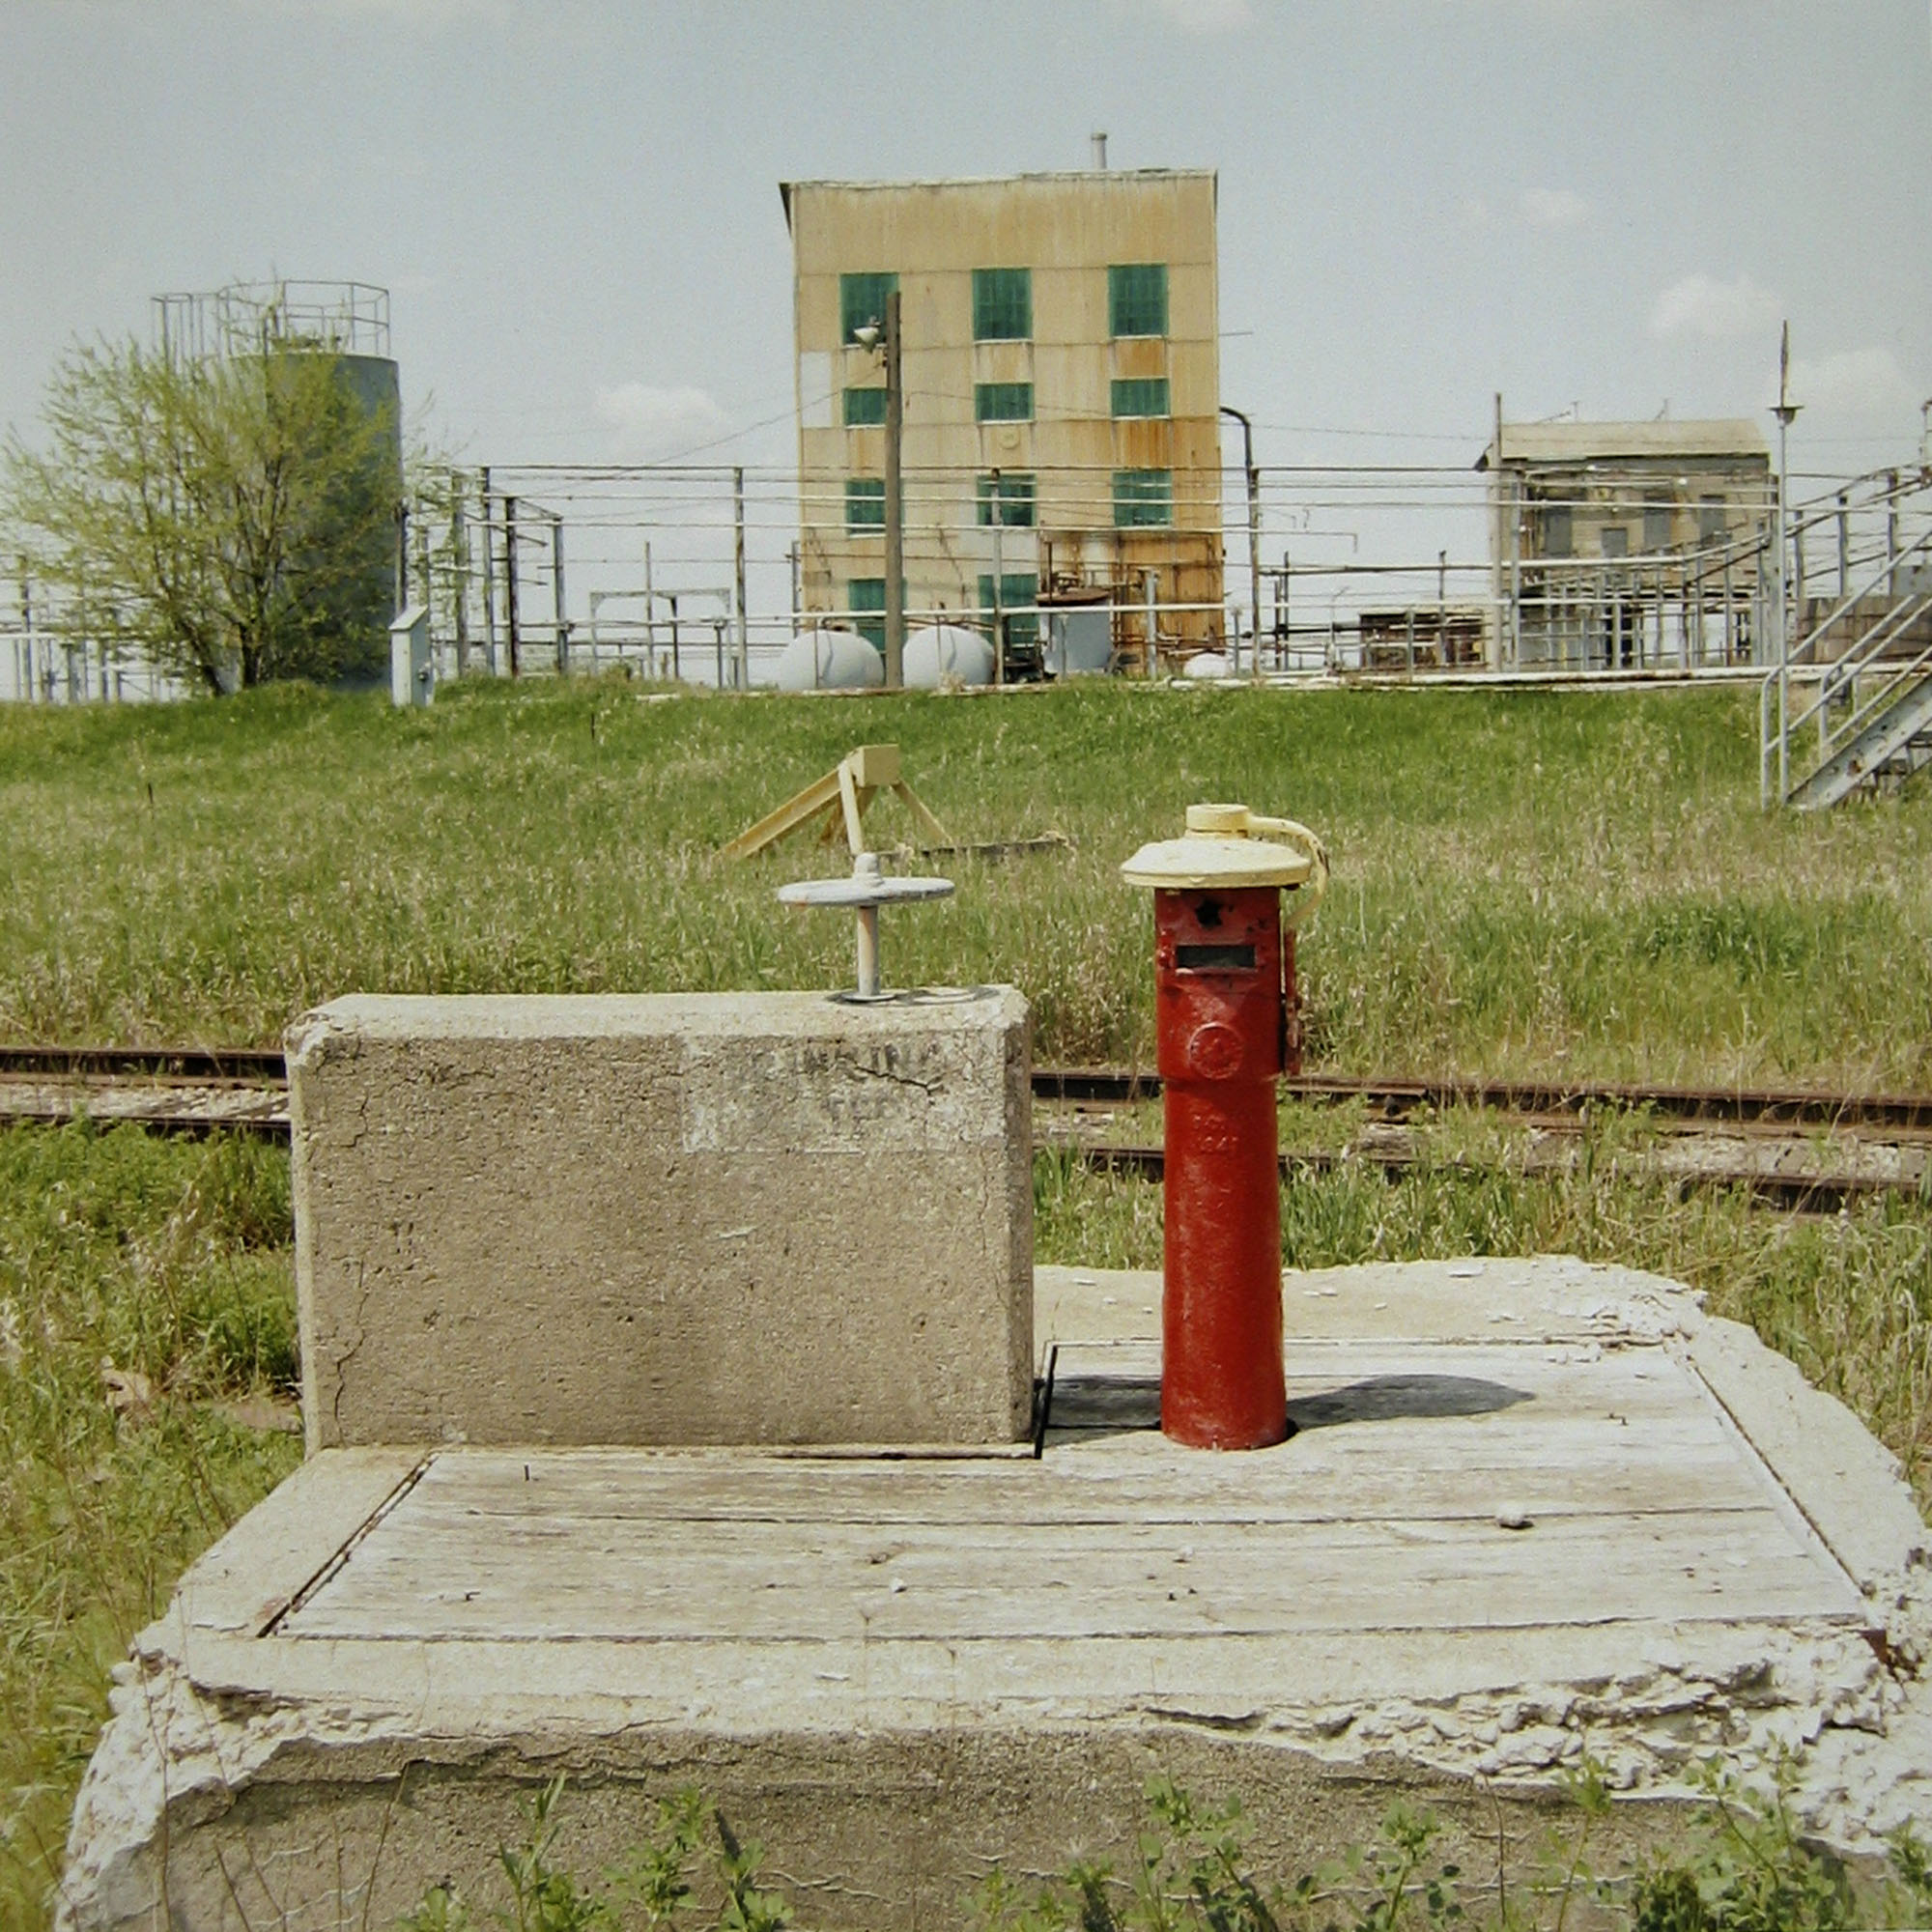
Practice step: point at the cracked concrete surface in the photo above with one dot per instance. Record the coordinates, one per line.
(1533, 1509)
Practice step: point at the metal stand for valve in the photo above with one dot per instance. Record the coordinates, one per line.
(865, 892)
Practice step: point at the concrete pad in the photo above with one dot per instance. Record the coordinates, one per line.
(663, 1218)
(1532, 1508)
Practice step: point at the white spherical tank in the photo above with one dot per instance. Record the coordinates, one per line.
(942, 652)
(828, 658)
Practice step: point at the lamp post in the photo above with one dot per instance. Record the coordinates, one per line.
(1785, 410)
(886, 341)
(1254, 537)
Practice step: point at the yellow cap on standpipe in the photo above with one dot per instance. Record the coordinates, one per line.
(1229, 846)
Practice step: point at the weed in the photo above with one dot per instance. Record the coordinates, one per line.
(1753, 1872)
(142, 1282)
(653, 1888)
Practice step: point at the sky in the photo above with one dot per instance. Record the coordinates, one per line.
(1608, 206)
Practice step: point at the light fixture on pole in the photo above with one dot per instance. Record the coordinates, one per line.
(885, 340)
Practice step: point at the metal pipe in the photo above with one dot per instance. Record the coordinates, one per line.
(867, 950)
(744, 667)
(510, 585)
(489, 572)
(458, 561)
(1253, 476)
(999, 586)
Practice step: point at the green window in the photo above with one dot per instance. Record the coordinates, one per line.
(1016, 501)
(1001, 304)
(1018, 589)
(865, 409)
(862, 299)
(864, 595)
(1141, 396)
(1137, 299)
(865, 503)
(1143, 498)
(1002, 402)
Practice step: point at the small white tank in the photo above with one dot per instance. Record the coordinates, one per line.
(1208, 665)
(937, 652)
(829, 658)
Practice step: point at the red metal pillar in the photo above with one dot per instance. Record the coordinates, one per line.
(1219, 993)
(1226, 1028)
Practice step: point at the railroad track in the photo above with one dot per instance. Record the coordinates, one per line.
(1790, 1147)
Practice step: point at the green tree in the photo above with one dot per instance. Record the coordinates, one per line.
(230, 520)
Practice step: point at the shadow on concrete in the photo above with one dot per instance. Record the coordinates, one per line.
(1389, 1398)
(1117, 1405)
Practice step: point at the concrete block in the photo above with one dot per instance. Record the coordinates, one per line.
(1532, 1509)
(736, 1218)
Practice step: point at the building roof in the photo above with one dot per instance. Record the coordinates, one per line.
(787, 188)
(1613, 442)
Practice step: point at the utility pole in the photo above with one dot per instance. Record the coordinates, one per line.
(458, 559)
(894, 503)
(743, 678)
(489, 574)
(26, 682)
(1254, 538)
(650, 616)
(1786, 410)
(510, 585)
(557, 605)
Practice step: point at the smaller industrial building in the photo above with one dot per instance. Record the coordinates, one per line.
(1616, 545)
(1061, 379)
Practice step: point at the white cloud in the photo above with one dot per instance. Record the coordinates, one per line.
(648, 421)
(1206, 17)
(1552, 206)
(1856, 382)
(1702, 305)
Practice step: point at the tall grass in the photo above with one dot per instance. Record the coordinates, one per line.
(141, 1282)
(1527, 882)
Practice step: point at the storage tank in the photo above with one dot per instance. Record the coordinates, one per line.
(827, 657)
(941, 653)
(348, 324)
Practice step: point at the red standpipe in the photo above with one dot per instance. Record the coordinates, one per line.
(1228, 1024)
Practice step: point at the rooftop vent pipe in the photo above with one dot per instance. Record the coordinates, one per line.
(1099, 140)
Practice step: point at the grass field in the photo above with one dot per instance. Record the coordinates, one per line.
(1532, 884)
(1527, 882)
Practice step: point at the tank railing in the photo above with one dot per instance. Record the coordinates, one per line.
(1778, 726)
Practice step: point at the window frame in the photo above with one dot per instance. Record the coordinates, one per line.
(865, 420)
(1019, 591)
(862, 493)
(990, 294)
(1018, 499)
(1142, 383)
(1124, 301)
(982, 391)
(1137, 492)
(877, 284)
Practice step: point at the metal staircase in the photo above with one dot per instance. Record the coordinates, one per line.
(1849, 708)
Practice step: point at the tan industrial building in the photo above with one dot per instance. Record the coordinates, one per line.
(1060, 374)
(1616, 545)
